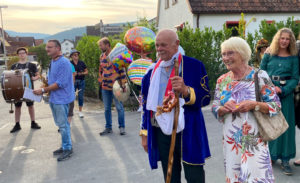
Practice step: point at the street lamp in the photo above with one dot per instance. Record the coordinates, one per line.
(3, 37)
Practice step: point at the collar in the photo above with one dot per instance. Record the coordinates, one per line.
(56, 58)
(169, 62)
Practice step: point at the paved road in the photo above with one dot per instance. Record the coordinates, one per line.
(26, 157)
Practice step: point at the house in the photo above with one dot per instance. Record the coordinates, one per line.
(39, 42)
(102, 30)
(29, 41)
(92, 31)
(215, 13)
(110, 29)
(66, 47)
(6, 43)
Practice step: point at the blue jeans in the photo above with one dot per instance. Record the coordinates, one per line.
(107, 96)
(80, 84)
(60, 115)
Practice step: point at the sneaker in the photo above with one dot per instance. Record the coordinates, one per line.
(122, 131)
(286, 168)
(296, 163)
(81, 115)
(66, 154)
(16, 128)
(34, 125)
(58, 151)
(106, 131)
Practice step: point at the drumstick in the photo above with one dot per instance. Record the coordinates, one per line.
(76, 93)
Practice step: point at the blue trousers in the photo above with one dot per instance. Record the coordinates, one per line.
(60, 115)
(80, 85)
(107, 97)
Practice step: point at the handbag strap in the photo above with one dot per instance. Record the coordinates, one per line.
(257, 93)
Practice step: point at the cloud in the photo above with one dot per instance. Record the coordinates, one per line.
(28, 17)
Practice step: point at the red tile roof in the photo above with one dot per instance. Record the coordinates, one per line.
(38, 42)
(245, 6)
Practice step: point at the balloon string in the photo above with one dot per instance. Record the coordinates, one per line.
(129, 84)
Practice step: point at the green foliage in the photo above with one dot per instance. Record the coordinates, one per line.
(90, 53)
(12, 60)
(269, 30)
(140, 22)
(252, 40)
(41, 54)
(205, 45)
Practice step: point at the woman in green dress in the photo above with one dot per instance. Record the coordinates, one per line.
(283, 68)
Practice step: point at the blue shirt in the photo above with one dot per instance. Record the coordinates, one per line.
(73, 68)
(61, 74)
(164, 79)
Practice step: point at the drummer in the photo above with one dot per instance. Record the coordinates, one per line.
(23, 63)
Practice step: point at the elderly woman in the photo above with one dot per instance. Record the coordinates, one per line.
(246, 156)
(283, 68)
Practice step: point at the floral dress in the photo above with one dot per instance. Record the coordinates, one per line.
(246, 156)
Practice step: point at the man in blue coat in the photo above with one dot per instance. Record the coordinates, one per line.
(191, 147)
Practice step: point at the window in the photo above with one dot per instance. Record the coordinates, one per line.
(166, 4)
(234, 25)
(270, 21)
(174, 2)
(66, 44)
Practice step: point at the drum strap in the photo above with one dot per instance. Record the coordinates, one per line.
(26, 66)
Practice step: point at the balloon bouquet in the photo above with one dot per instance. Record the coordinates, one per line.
(141, 41)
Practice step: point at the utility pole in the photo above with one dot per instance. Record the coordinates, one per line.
(3, 37)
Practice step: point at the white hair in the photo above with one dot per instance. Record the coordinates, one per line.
(239, 45)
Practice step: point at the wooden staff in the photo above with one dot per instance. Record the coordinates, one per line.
(173, 138)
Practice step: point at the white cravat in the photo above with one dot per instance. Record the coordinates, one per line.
(165, 120)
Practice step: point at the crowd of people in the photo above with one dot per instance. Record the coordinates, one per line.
(247, 158)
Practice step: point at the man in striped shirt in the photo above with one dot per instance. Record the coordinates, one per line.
(107, 76)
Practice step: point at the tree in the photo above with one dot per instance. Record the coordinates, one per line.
(268, 30)
(205, 45)
(90, 53)
(41, 54)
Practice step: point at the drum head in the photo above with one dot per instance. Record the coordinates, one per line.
(118, 92)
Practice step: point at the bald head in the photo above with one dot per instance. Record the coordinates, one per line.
(166, 44)
(168, 34)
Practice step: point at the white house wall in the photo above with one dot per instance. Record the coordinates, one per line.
(66, 49)
(174, 15)
(217, 21)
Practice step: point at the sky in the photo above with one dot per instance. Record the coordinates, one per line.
(52, 16)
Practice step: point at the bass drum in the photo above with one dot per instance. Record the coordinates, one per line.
(13, 83)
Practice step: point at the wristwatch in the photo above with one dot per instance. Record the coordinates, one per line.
(257, 107)
(43, 90)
